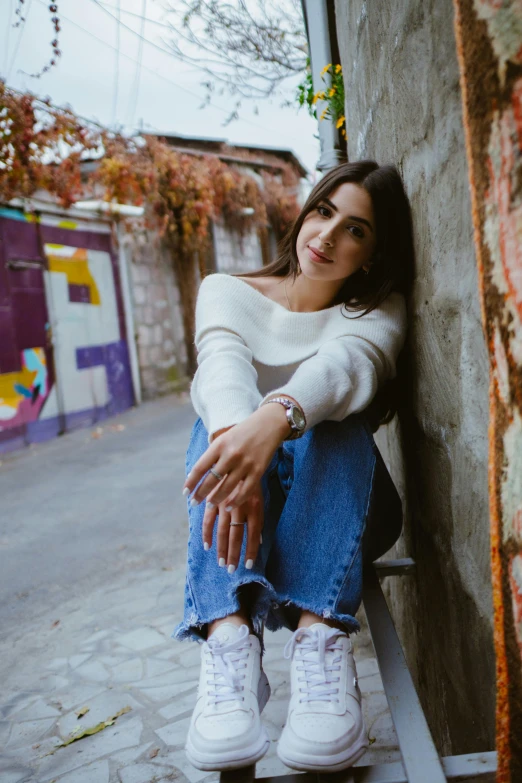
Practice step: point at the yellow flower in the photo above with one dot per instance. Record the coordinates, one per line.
(338, 68)
(340, 121)
(331, 92)
(344, 133)
(323, 114)
(319, 96)
(326, 69)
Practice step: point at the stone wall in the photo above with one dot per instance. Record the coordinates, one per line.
(158, 323)
(404, 107)
(235, 254)
(157, 316)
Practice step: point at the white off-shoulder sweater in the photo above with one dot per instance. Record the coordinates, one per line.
(250, 347)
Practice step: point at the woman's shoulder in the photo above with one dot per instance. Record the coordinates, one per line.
(230, 286)
(224, 300)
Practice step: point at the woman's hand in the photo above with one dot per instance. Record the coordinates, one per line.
(242, 454)
(230, 537)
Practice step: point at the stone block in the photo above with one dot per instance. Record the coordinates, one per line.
(157, 338)
(140, 296)
(144, 773)
(148, 316)
(144, 335)
(141, 639)
(92, 773)
(168, 347)
(155, 354)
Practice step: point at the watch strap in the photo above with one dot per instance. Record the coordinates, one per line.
(288, 404)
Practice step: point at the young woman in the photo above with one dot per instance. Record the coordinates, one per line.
(289, 493)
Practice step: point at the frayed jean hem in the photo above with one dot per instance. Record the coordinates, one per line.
(268, 609)
(193, 623)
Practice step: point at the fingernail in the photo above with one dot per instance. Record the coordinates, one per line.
(209, 504)
(222, 562)
(186, 492)
(194, 502)
(231, 569)
(229, 508)
(206, 546)
(249, 564)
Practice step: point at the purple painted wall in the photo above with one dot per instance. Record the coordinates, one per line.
(27, 376)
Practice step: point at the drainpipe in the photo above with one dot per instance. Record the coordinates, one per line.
(128, 210)
(318, 25)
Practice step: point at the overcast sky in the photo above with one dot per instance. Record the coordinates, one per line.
(169, 93)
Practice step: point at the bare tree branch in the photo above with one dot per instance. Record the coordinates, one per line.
(246, 47)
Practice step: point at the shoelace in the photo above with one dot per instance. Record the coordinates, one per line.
(225, 661)
(316, 650)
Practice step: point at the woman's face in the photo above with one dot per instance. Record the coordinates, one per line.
(338, 236)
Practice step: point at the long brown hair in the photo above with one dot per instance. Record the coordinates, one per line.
(392, 263)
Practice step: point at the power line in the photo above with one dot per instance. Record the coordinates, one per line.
(8, 35)
(133, 31)
(139, 16)
(134, 92)
(116, 70)
(19, 41)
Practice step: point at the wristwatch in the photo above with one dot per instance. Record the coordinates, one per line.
(294, 415)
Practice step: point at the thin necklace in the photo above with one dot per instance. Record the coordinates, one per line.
(287, 299)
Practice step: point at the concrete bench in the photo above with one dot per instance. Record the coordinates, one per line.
(420, 761)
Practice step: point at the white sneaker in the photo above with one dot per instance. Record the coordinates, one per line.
(226, 731)
(325, 728)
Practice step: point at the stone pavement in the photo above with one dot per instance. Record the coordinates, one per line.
(111, 649)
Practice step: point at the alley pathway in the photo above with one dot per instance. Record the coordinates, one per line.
(93, 532)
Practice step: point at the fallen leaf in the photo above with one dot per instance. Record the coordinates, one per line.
(371, 740)
(80, 731)
(56, 622)
(82, 712)
(118, 427)
(153, 753)
(97, 433)
(34, 747)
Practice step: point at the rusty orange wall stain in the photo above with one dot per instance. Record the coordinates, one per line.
(489, 49)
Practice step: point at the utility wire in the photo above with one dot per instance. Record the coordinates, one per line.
(136, 87)
(116, 70)
(19, 41)
(7, 35)
(166, 25)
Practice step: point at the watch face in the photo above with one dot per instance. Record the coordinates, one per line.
(298, 418)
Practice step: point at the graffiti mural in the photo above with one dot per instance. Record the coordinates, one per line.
(59, 288)
(23, 393)
(489, 45)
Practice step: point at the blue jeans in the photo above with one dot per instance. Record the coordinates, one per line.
(330, 506)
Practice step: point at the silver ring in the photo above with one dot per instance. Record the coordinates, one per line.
(235, 524)
(216, 474)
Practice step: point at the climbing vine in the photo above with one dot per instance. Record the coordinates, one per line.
(55, 21)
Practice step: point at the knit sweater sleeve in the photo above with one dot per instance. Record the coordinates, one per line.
(345, 373)
(224, 388)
